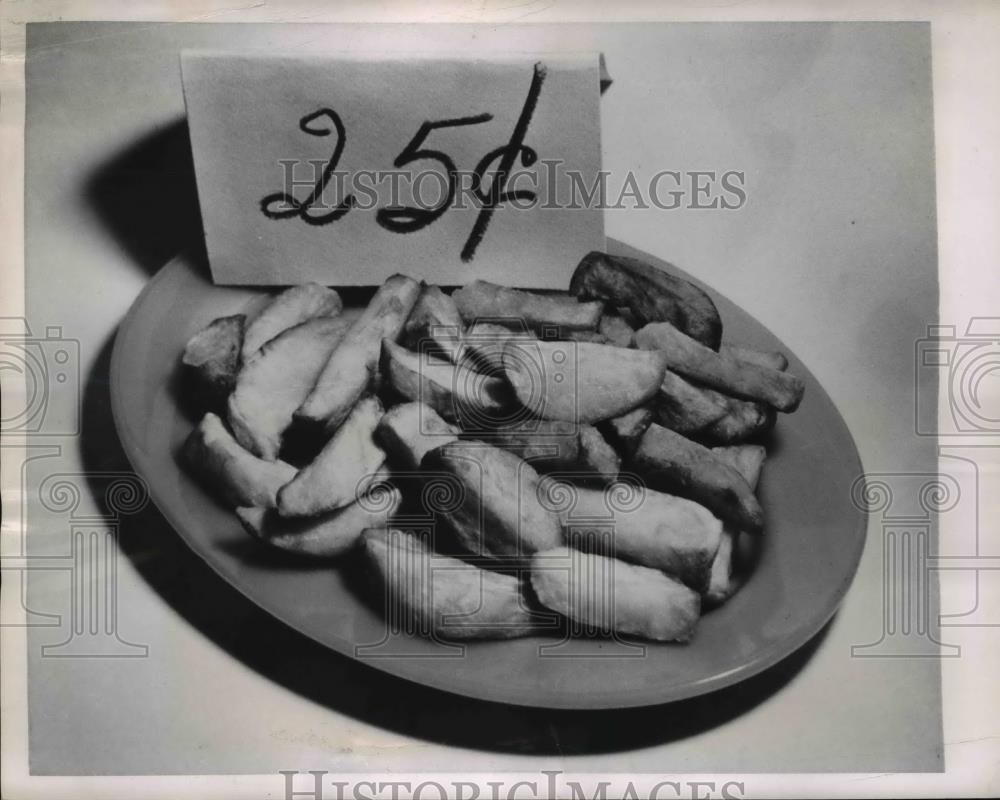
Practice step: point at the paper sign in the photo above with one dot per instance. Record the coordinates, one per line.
(344, 171)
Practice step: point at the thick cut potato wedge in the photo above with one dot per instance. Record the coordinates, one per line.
(457, 393)
(435, 321)
(212, 357)
(604, 595)
(276, 379)
(545, 444)
(581, 382)
(444, 597)
(645, 527)
(499, 513)
(625, 432)
(483, 344)
(326, 535)
(241, 478)
(771, 359)
(481, 299)
(616, 329)
(748, 460)
(674, 464)
(651, 294)
(719, 370)
(292, 307)
(686, 408)
(595, 337)
(342, 470)
(408, 431)
(349, 372)
(598, 459)
(743, 420)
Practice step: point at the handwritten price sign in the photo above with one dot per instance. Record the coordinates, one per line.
(345, 171)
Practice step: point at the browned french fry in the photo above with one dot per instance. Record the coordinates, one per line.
(545, 444)
(616, 329)
(650, 528)
(499, 513)
(483, 343)
(292, 307)
(481, 299)
(585, 336)
(720, 371)
(606, 595)
(674, 464)
(327, 535)
(598, 459)
(651, 294)
(626, 431)
(580, 381)
(743, 420)
(443, 595)
(341, 471)
(276, 379)
(435, 319)
(348, 374)
(239, 476)
(408, 431)
(771, 359)
(686, 408)
(457, 393)
(748, 460)
(212, 358)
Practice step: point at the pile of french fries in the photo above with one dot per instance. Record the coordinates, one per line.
(592, 453)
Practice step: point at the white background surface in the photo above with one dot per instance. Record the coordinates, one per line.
(815, 714)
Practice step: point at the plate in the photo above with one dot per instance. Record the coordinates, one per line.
(805, 562)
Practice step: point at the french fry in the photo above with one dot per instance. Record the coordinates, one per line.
(292, 307)
(276, 379)
(444, 596)
(499, 513)
(349, 372)
(744, 419)
(606, 595)
(481, 299)
(748, 460)
(598, 459)
(595, 337)
(651, 294)
(327, 535)
(435, 319)
(721, 371)
(771, 359)
(483, 343)
(408, 431)
(650, 528)
(581, 382)
(212, 359)
(626, 431)
(240, 477)
(674, 464)
(617, 331)
(686, 408)
(545, 444)
(456, 393)
(342, 470)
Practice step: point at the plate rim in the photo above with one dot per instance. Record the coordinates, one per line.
(762, 660)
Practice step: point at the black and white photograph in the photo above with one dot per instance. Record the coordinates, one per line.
(487, 400)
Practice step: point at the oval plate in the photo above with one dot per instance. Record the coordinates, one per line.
(807, 558)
